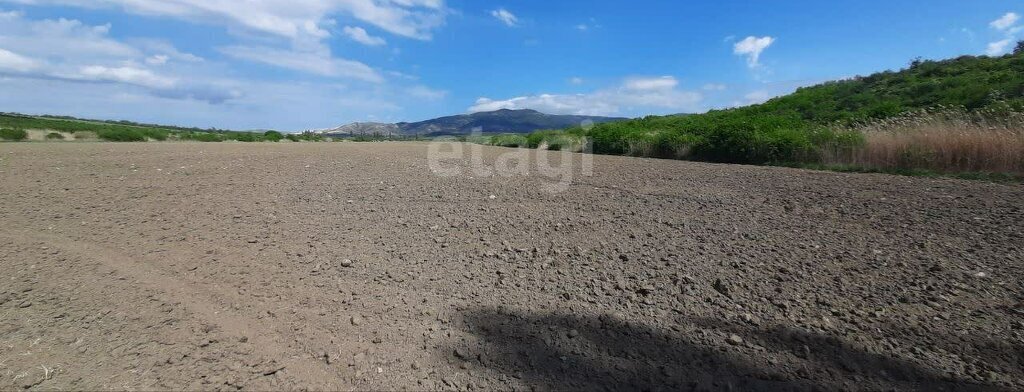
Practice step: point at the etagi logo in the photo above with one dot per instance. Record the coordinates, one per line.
(556, 160)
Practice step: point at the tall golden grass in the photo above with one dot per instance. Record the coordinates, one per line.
(943, 140)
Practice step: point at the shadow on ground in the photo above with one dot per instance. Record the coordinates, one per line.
(566, 352)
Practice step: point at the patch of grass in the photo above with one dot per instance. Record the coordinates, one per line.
(54, 136)
(13, 134)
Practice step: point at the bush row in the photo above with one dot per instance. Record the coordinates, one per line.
(715, 137)
(13, 134)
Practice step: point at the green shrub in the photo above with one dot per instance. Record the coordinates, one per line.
(13, 134)
(54, 136)
(121, 135)
(202, 136)
(311, 137)
(247, 137)
(273, 136)
(510, 140)
(155, 134)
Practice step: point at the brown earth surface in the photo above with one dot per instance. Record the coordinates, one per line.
(223, 266)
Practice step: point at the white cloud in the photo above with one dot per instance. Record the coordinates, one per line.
(360, 35)
(427, 93)
(73, 52)
(163, 49)
(158, 59)
(15, 62)
(1006, 21)
(714, 87)
(62, 39)
(505, 17)
(128, 75)
(998, 48)
(314, 62)
(651, 84)
(304, 25)
(756, 97)
(68, 67)
(751, 47)
(287, 18)
(576, 80)
(633, 95)
(591, 24)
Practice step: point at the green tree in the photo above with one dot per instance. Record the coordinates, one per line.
(273, 136)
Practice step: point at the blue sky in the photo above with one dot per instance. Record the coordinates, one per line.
(304, 64)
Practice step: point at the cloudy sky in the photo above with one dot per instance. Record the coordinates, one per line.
(300, 64)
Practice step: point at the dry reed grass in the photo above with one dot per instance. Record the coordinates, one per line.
(944, 140)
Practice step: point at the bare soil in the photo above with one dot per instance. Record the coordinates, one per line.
(161, 266)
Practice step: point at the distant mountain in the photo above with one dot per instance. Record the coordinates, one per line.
(500, 121)
(364, 128)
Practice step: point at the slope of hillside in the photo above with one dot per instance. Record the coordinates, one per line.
(967, 81)
(364, 128)
(816, 121)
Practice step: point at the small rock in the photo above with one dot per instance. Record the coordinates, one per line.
(24, 304)
(346, 263)
(461, 353)
(721, 287)
(416, 365)
(573, 333)
(804, 352)
(646, 290)
(735, 340)
(749, 318)
(356, 320)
